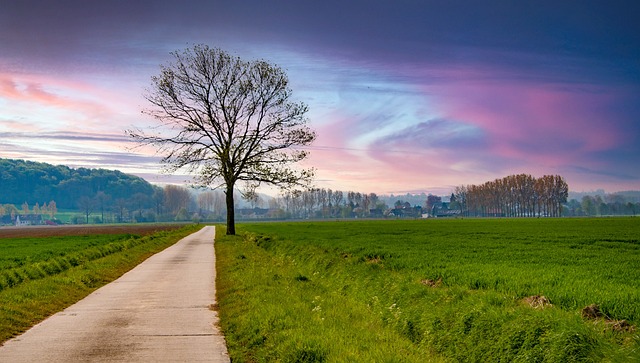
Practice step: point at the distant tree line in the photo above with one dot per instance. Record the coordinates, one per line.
(168, 203)
(612, 204)
(105, 196)
(33, 182)
(98, 195)
(519, 195)
(39, 213)
(165, 204)
(328, 203)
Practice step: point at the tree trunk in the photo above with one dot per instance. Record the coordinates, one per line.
(231, 216)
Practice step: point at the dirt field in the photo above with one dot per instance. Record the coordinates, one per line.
(78, 230)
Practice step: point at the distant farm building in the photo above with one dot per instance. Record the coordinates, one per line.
(22, 220)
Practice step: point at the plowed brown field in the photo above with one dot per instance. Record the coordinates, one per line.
(48, 231)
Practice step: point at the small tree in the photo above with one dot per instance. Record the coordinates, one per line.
(176, 198)
(53, 209)
(227, 120)
(120, 207)
(432, 204)
(102, 199)
(252, 197)
(12, 210)
(86, 205)
(139, 201)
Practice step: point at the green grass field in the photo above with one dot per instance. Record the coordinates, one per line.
(41, 276)
(432, 290)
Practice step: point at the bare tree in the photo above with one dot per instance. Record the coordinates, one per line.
(373, 199)
(206, 201)
(432, 202)
(322, 198)
(366, 203)
(219, 204)
(86, 205)
(461, 197)
(228, 120)
(293, 202)
(101, 200)
(120, 207)
(176, 198)
(338, 198)
(308, 201)
(358, 199)
(158, 200)
(139, 201)
(252, 197)
(351, 199)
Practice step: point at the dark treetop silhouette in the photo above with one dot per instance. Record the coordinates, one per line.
(227, 120)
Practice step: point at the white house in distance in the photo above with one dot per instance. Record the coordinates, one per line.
(21, 220)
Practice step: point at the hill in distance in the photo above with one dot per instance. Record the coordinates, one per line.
(34, 182)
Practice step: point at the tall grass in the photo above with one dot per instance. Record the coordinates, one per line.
(431, 290)
(29, 259)
(40, 276)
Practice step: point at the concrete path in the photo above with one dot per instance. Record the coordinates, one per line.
(157, 312)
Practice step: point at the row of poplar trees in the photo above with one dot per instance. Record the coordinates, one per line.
(519, 195)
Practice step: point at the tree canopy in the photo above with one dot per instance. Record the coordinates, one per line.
(519, 195)
(33, 182)
(227, 120)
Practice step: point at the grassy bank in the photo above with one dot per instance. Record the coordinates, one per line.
(41, 276)
(414, 291)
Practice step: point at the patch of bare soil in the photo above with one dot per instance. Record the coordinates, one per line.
(81, 230)
(593, 312)
(431, 282)
(620, 325)
(537, 301)
(374, 260)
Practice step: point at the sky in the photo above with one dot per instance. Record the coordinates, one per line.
(406, 96)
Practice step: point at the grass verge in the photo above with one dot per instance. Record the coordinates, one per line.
(39, 284)
(274, 308)
(416, 291)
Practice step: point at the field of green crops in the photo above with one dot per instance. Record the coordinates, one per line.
(472, 290)
(40, 276)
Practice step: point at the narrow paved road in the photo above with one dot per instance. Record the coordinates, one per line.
(157, 312)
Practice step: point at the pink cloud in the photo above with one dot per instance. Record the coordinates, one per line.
(64, 103)
(381, 167)
(546, 123)
(16, 126)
